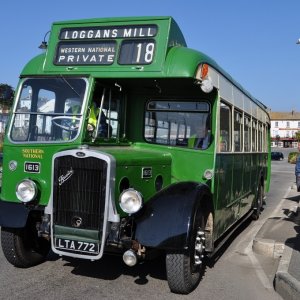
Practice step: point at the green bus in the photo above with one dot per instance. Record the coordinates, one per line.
(123, 140)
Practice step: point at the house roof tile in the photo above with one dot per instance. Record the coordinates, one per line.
(292, 115)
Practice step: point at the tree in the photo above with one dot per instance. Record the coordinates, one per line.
(6, 94)
(297, 136)
(6, 97)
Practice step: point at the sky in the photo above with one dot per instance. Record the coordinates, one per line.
(253, 40)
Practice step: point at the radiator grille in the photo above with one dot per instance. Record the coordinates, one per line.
(79, 191)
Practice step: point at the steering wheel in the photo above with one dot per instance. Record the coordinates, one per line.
(68, 124)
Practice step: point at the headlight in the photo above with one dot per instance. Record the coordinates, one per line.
(131, 201)
(26, 190)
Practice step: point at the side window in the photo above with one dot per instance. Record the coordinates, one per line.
(254, 135)
(238, 131)
(225, 128)
(260, 137)
(266, 138)
(247, 134)
(176, 123)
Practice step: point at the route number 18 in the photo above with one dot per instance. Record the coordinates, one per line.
(137, 52)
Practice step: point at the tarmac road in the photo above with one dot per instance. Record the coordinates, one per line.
(235, 273)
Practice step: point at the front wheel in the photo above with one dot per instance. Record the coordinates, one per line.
(22, 247)
(185, 269)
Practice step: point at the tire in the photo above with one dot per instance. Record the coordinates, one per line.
(185, 269)
(258, 203)
(22, 247)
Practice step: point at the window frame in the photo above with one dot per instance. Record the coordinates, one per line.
(177, 133)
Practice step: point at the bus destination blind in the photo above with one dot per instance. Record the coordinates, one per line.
(100, 45)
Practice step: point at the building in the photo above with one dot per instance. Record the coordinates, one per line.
(284, 126)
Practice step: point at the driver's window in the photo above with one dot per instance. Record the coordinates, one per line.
(108, 121)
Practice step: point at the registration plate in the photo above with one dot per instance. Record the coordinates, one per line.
(77, 246)
(32, 167)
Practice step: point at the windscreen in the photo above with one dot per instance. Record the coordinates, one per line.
(48, 110)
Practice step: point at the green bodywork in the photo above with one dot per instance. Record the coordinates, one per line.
(234, 185)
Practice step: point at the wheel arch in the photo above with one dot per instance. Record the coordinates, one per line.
(167, 219)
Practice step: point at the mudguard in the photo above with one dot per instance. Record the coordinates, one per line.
(165, 221)
(13, 215)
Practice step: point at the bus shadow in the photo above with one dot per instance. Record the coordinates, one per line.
(111, 267)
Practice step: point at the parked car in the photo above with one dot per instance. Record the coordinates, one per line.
(277, 155)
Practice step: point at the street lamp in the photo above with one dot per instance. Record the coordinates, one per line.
(298, 41)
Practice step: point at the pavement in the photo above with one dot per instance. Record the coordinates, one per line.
(279, 239)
